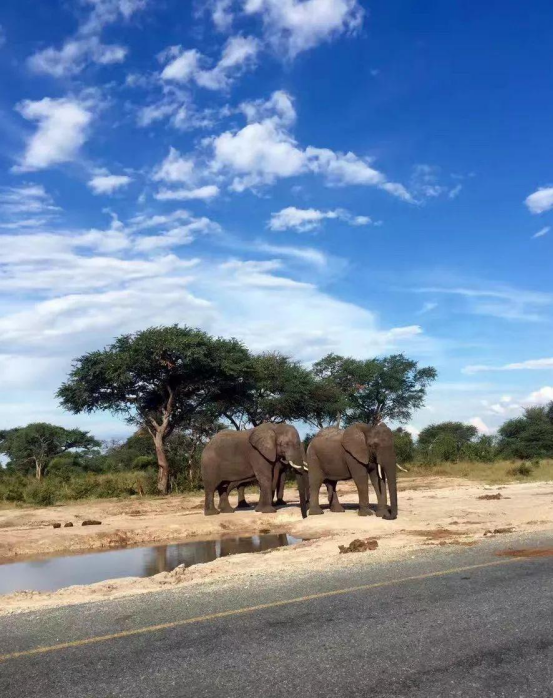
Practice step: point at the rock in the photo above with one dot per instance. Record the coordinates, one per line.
(490, 496)
(68, 524)
(506, 529)
(56, 525)
(359, 546)
(91, 522)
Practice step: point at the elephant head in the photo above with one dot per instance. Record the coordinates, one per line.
(375, 444)
(282, 443)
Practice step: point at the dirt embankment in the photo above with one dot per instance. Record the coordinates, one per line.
(437, 511)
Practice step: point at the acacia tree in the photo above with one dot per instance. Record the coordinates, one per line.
(31, 448)
(446, 441)
(371, 390)
(279, 390)
(528, 436)
(159, 379)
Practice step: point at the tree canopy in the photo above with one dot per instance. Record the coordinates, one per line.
(529, 436)
(277, 389)
(372, 390)
(159, 379)
(32, 448)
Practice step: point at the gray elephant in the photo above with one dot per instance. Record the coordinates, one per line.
(235, 458)
(357, 453)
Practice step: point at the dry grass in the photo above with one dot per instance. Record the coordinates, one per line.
(498, 472)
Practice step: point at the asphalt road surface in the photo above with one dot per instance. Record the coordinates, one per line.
(465, 622)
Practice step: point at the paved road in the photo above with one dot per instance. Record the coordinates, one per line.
(421, 627)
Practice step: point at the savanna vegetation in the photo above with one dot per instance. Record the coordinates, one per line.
(177, 386)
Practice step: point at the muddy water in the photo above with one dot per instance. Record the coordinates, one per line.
(50, 574)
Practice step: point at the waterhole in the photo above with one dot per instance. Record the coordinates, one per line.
(52, 573)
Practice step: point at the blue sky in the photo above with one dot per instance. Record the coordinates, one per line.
(307, 175)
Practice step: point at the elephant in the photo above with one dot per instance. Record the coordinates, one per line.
(360, 451)
(235, 458)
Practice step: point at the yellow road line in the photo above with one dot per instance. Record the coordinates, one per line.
(250, 609)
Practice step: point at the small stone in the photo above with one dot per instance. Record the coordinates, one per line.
(56, 525)
(91, 522)
(68, 524)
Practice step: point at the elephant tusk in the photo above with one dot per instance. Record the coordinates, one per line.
(403, 469)
(380, 473)
(305, 466)
(299, 468)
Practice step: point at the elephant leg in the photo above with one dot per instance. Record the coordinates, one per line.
(335, 505)
(242, 503)
(380, 489)
(264, 474)
(224, 504)
(361, 479)
(316, 478)
(209, 506)
(281, 482)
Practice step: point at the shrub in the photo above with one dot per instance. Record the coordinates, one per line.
(42, 492)
(523, 469)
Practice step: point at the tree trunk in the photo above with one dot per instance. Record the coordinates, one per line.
(339, 419)
(38, 466)
(163, 465)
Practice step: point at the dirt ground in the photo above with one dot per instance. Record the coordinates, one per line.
(435, 511)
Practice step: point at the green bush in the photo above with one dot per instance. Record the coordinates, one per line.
(143, 462)
(523, 469)
(42, 492)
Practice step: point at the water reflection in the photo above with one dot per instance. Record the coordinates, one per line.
(54, 573)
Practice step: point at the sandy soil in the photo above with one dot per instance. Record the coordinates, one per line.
(436, 511)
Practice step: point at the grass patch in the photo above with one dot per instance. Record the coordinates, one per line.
(495, 473)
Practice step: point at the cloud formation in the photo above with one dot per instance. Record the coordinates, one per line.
(238, 54)
(540, 201)
(62, 130)
(306, 219)
(293, 26)
(105, 183)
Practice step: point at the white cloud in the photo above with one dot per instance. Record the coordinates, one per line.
(427, 307)
(175, 168)
(106, 183)
(504, 302)
(482, 427)
(294, 26)
(530, 364)
(541, 232)
(25, 205)
(304, 254)
(221, 14)
(73, 57)
(308, 219)
(540, 201)
(209, 191)
(85, 46)
(341, 169)
(261, 152)
(540, 397)
(106, 12)
(238, 54)
(279, 107)
(62, 130)
(264, 151)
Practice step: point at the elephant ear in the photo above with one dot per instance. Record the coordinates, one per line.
(355, 444)
(263, 439)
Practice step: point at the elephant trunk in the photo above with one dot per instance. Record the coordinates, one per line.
(303, 488)
(387, 462)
